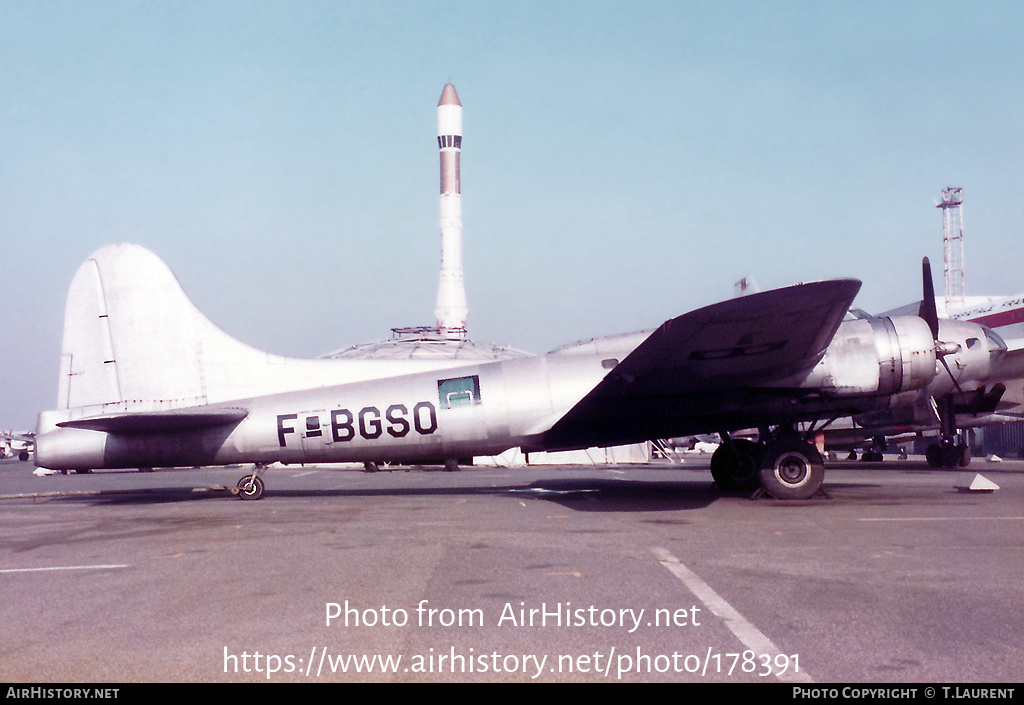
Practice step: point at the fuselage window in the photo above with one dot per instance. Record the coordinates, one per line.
(461, 391)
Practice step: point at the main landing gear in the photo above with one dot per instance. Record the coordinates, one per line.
(786, 467)
(950, 451)
(948, 454)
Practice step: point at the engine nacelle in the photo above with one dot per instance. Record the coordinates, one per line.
(878, 356)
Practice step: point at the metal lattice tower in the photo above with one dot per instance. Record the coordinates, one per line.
(953, 246)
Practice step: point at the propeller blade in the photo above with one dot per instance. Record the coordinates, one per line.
(951, 377)
(928, 311)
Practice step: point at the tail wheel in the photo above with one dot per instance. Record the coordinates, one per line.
(793, 470)
(250, 487)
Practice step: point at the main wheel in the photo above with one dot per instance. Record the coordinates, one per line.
(736, 468)
(958, 455)
(250, 487)
(792, 470)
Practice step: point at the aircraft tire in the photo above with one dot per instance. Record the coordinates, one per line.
(794, 470)
(965, 455)
(250, 487)
(952, 456)
(736, 470)
(933, 454)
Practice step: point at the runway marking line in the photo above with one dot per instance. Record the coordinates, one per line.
(941, 519)
(747, 633)
(64, 567)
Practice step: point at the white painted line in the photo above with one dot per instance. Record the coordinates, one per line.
(747, 633)
(941, 519)
(64, 567)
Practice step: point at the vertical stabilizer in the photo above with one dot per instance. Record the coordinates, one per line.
(133, 341)
(131, 335)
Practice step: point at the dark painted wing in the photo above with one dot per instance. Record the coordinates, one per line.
(702, 369)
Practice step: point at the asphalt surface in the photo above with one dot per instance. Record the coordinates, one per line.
(591, 574)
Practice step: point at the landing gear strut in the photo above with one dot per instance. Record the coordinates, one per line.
(949, 452)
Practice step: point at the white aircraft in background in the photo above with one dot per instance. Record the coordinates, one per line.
(1003, 315)
(147, 381)
(16, 444)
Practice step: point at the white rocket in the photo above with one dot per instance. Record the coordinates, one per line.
(451, 290)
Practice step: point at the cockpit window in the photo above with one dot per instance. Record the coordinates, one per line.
(995, 343)
(972, 343)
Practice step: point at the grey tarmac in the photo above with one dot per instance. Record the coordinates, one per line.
(541, 573)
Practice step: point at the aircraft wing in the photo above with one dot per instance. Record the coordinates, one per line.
(712, 365)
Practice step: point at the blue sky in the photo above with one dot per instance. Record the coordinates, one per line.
(622, 162)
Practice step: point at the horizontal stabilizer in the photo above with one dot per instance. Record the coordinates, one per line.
(190, 419)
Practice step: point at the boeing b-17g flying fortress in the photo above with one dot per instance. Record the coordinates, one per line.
(146, 380)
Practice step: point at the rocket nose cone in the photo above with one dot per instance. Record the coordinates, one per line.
(449, 96)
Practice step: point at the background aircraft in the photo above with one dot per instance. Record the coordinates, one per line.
(16, 444)
(147, 381)
(1004, 315)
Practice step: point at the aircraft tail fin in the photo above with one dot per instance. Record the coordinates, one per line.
(132, 337)
(134, 341)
